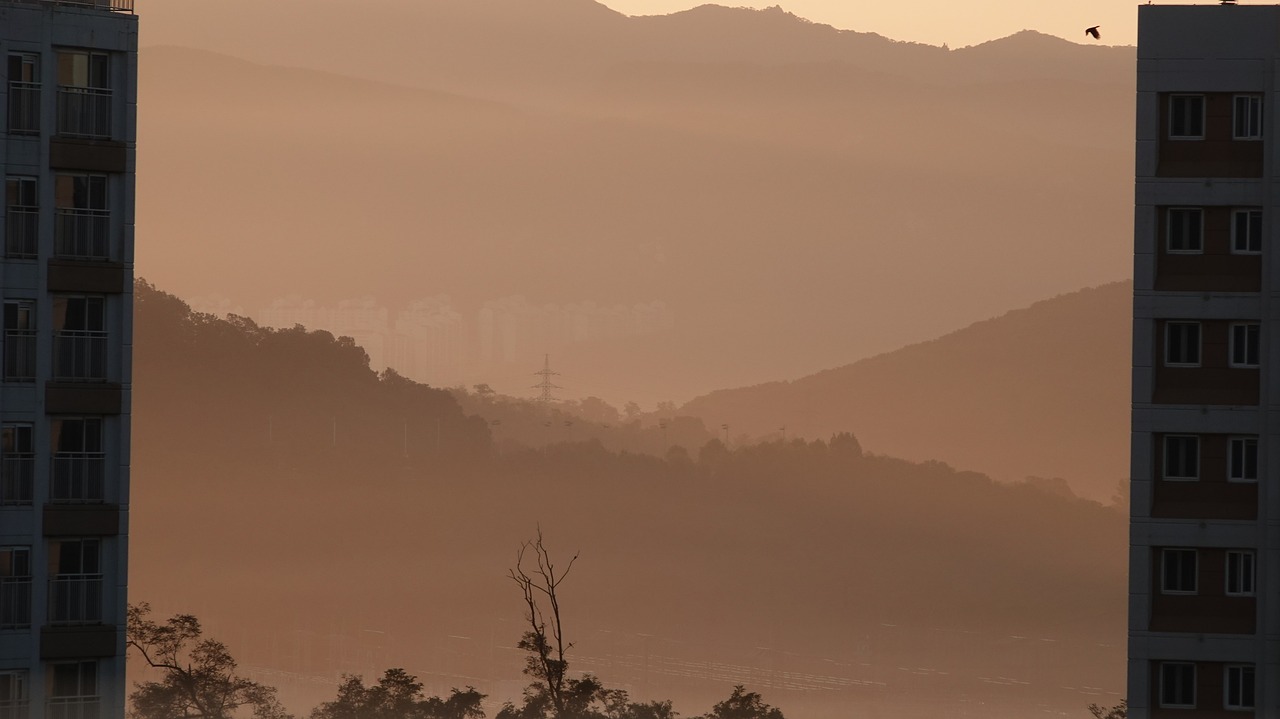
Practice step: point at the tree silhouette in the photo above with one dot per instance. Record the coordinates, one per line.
(397, 695)
(199, 675)
(743, 704)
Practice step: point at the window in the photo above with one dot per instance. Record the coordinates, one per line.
(1242, 465)
(1245, 344)
(1185, 230)
(1186, 117)
(17, 464)
(13, 695)
(24, 94)
(1246, 117)
(1178, 685)
(1178, 571)
(15, 587)
(79, 338)
(19, 341)
(1182, 344)
(83, 227)
(75, 587)
(1240, 573)
(79, 462)
(73, 690)
(1238, 692)
(22, 214)
(1246, 231)
(84, 94)
(1181, 456)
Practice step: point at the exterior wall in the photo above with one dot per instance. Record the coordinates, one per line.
(1218, 52)
(76, 374)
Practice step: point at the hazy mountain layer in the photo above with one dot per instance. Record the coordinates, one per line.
(798, 197)
(346, 532)
(1038, 391)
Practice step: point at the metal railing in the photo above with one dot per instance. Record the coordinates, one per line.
(22, 232)
(84, 112)
(17, 479)
(14, 709)
(110, 5)
(74, 708)
(78, 478)
(15, 603)
(75, 599)
(19, 355)
(80, 356)
(82, 234)
(24, 108)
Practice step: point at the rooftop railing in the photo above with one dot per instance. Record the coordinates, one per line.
(109, 5)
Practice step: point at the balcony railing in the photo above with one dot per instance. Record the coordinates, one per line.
(75, 599)
(15, 603)
(24, 108)
(19, 355)
(82, 234)
(17, 479)
(14, 709)
(21, 233)
(80, 356)
(74, 708)
(78, 478)
(84, 112)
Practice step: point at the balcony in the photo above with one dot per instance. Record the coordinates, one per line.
(82, 234)
(21, 238)
(78, 478)
(17, 475)
(74, 708)
(19, 355)
(14, 709)
(75, 599)
(84, 112)
(15, 604)
(24, 108)
(80, 356)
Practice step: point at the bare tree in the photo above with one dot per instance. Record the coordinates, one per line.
(198, 676)
(544, 641)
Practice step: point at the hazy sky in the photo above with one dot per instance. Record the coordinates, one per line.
(943, 21)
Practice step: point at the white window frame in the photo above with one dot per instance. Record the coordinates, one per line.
(16, 683)
(1173, 101)
(1239, 334)
(1164, 704)
(1168, 231)
(1168, 342)
(1242, 566)
(1166, 445)
(1241, 474)
(1252, 217)
(1254, 120)
(1165, 555)
(1233, 679)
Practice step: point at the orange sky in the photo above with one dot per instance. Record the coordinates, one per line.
(943, 21)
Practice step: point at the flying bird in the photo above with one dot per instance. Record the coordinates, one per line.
(1093, 32)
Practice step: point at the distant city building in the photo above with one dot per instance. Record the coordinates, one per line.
(69, 95)
(1204, 576)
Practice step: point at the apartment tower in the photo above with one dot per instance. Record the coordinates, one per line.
(1204, 616)
(68, 92)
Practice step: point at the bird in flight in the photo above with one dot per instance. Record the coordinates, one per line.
(1093, 32)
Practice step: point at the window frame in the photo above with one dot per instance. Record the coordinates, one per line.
(1246, 573)
(1251, 223)
(1228, 686)
(1239, 334)
(1166, 446)
(1165, 554)
(1174, 98)
(1253, 120)
(1166, 702)
(1169, 234)
(1169, 325)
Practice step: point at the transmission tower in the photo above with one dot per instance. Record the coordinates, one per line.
(545, 385)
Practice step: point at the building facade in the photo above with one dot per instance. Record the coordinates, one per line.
(68, 92)
(1204, 616)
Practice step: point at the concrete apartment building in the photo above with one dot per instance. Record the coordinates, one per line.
(68, 92)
